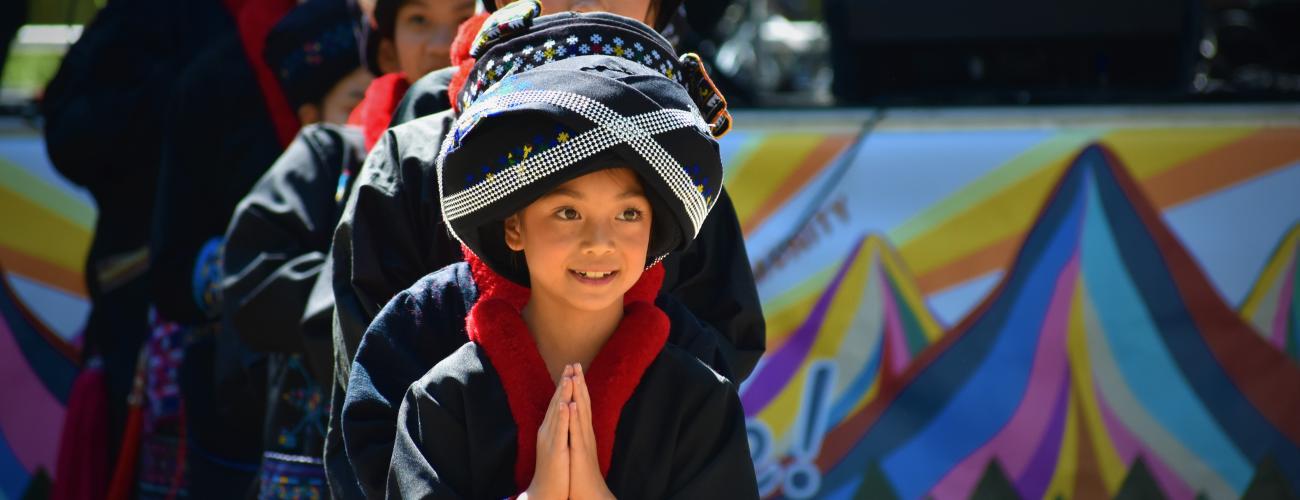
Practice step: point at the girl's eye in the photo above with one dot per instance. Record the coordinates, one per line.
(630, 215)
(567, 213)
(418, 20)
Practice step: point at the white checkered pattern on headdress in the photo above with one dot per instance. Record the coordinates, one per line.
(610, 129)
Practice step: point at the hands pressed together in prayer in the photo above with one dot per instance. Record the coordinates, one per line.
(567, 464)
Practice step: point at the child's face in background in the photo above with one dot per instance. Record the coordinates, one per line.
(338, 103)
(423, 32)
(585, 243)
(635, 9)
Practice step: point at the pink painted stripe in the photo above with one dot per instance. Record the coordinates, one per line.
(1014, 445)
(31, 418)
(1283, 309)
(899, 354)
(1129, 447)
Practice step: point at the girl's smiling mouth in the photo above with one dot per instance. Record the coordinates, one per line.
(593, 277)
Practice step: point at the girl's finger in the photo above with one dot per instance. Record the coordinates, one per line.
(577, 437)
(566, 389)
(581, 393)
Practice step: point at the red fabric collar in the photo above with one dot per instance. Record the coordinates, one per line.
(255, 20)
(460, 58)
(375, 111)
(496, 324)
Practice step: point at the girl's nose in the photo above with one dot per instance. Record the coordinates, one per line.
(597, 238)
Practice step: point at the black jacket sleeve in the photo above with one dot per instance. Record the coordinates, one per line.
(431, 453)
(713, 280)
(276, 243)
(419, 327)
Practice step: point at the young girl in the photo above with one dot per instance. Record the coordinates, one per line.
(566, 185)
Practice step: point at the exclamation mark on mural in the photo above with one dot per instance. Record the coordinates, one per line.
(802, 479)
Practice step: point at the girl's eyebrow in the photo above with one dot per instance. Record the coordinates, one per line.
(561, 191)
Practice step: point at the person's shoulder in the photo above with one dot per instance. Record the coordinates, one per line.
(419, 139)
(451, 287)
(331, 137)
(326, 148)
(427, 96)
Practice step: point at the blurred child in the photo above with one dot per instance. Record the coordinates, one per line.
(276, 240)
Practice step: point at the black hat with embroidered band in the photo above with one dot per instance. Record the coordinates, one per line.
(312, 48)
(555, 97)
(664, 10)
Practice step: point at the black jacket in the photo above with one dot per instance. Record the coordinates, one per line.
(422, 326)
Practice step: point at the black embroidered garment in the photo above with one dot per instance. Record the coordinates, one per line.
(274, 252)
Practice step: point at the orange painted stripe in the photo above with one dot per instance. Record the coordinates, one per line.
(817, 159)
(1253, 155)
(975, 264)
(40, 270)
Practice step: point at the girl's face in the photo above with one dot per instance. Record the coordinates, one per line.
(585, 243)
(423, 32)
(635, 9)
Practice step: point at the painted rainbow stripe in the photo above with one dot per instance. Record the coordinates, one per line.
(870, 301)
(1104, 359)
(47, 232)
(1272, 303)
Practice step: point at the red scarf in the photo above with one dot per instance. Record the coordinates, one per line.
(375, 111)
(497, 325)
(255, 20)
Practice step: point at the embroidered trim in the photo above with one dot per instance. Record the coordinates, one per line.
(611, 129)
(492, 71)
(505, 22)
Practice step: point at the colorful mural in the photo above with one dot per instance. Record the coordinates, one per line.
(46, 235)
(1060, 396)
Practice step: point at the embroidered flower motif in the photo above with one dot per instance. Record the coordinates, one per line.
(638, 46)
(618, 41)
(701, 183)
(528, 50)
(571, 40)
(561, 51)
(549, 44)
(655, 53)
(508, 57)
(537, 56)
(584, 49)
(595, 38)
(609, 49)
